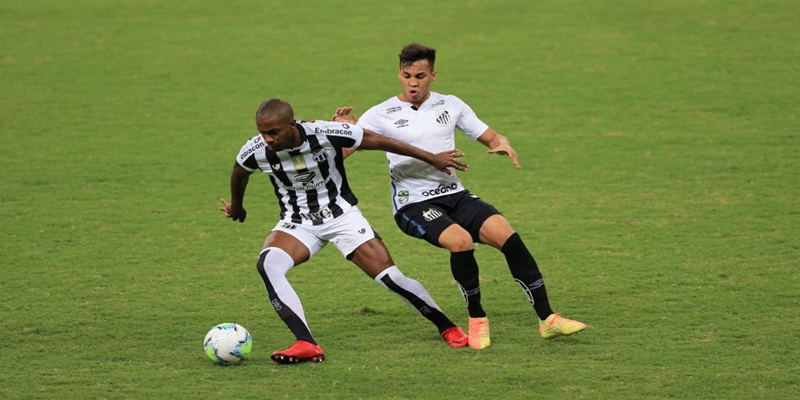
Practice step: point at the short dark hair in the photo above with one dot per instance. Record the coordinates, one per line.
(414, 52)
(273, 107)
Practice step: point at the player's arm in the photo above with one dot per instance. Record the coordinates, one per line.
(442, 161)
(498, 144)
(239, 179)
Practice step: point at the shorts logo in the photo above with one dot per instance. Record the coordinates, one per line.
(287, 225)
(362, 230)
(444, 118)
(402, 196)
(431, 214)
(319, 156)
(401, 123)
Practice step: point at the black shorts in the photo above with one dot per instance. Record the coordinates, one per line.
(428, 219)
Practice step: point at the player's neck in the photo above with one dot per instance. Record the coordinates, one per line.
(298, 137)
(416, 105)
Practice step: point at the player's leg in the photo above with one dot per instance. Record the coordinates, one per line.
(281, 252)
(498, 233)
(465, 271)
(373, 258)
(356, 239)
(431, 222)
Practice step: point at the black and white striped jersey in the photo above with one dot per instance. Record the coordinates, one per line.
(309, 181)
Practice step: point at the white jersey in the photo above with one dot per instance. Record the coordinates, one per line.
(310, 181)
(432, 128)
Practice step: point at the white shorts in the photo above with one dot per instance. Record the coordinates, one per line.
(347, 232)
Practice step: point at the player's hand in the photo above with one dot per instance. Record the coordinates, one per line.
(342, 115)
(506, 150)
(235, 214)
(449, 159)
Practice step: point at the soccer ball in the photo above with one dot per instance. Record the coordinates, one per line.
(228, 343)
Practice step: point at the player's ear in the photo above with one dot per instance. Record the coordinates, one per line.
(433, 75)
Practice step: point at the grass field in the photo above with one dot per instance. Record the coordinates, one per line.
(660, 193)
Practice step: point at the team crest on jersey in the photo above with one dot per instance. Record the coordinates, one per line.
(431, 214)
(319, 155)
(443, 118)
(402, 196)
(401, 123)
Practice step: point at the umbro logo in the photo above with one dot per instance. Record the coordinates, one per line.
(401, 123)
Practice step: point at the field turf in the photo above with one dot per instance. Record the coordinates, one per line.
(660, 194)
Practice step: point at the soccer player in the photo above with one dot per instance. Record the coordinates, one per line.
(435, 206)
(304, 164)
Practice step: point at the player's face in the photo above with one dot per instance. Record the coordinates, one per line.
(416, 80)
(279, 133)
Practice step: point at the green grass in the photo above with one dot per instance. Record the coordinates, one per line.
(659, 192)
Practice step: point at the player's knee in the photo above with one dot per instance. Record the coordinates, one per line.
(456, 239)
(457, 244)
(273, 262)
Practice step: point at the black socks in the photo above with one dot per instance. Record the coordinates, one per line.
(525, 271)
(465, 271)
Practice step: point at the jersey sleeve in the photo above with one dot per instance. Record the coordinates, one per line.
(247, 155)
(369, 121)
(468, 122)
